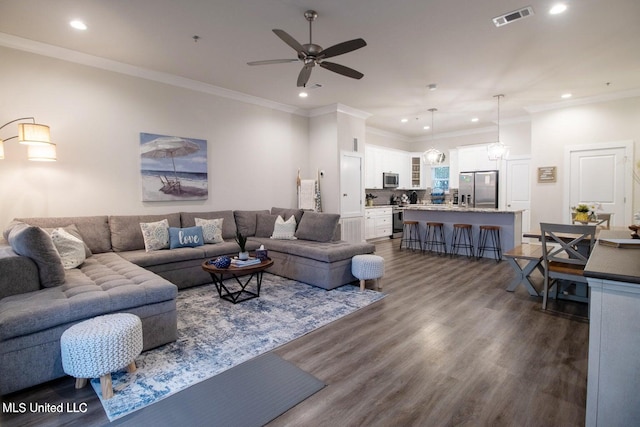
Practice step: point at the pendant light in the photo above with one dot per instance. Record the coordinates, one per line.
(497, 150)
(432, 156)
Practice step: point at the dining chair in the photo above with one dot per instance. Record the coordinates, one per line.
(565, 252)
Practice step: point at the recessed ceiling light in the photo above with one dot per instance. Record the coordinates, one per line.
(557, 8)
(78, 25)
(475, 119)
(303, 94)
(426, 127)
(404, 120)
(565, 96)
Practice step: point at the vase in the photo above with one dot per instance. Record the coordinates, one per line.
(243, 256)
(582, 216)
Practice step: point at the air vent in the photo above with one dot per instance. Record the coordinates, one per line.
(508, 18)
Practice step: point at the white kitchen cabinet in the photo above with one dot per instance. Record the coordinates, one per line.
(454, 170)
(475, 158)
(378, 222)
(373, 161)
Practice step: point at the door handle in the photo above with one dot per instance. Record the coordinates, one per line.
(344, 195)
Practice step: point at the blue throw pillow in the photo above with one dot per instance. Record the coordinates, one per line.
(185, 237)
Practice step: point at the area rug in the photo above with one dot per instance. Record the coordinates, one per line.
(215, 335)
(250, 394)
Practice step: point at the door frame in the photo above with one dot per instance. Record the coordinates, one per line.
(627, 145)
(505, 183)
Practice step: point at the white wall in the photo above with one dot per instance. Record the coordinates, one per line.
(585, 124)
(96, 117)
(323, 156)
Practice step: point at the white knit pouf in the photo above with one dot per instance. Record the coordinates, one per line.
(366, 267)
(96, 347)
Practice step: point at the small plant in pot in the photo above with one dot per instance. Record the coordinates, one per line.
(242, 242)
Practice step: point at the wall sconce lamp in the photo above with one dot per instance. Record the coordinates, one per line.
(36, 137)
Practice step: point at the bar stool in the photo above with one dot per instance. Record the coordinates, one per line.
(410, 235)
(492, 232)
(434, 238)
(462, 239)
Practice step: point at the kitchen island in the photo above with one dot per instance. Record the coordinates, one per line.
(510, 222)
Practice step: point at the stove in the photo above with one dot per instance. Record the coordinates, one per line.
(397, 212)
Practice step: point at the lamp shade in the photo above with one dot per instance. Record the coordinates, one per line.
(42, 152)
(33, 134)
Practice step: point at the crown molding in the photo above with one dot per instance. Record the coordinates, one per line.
(338, 108)
(387, 134)
(583, 101)
(69, 55)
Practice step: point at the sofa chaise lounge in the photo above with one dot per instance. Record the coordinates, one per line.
(38, 300)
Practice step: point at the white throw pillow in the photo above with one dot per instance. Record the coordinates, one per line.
(70, 248)
(155, 234)
(211, 229)
(284, 230)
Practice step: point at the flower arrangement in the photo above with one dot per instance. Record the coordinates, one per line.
(369, 197)
(582, 208)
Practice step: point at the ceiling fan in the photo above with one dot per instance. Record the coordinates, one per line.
(312, 54)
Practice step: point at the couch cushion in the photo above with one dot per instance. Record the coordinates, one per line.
(246, 221)
(319, 251)
(35, 243)
(286, 213)
(73, 230)
(94, 230)
(126, 234)
(318, 227)
(265, 224)
(187, 237)
(104, 284)
(228, 223)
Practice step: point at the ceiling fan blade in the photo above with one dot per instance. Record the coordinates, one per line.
(304, 75)
(272, 61)
(285, 37)
(344, 47)
(341, 69)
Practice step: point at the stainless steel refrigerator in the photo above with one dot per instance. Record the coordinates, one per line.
(478, 189)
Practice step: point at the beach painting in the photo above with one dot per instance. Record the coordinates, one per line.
(173, 168)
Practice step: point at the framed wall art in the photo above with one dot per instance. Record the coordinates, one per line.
(173, 168)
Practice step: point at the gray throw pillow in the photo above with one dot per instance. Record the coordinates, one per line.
(35, 243)
(265, 224)
(318, 227)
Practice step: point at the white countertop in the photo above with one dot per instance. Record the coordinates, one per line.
(447, 208)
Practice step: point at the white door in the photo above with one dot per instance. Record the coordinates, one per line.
(598, 175)
(351, 190)
(518, 189)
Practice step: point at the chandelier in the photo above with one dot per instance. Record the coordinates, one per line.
(432, 156)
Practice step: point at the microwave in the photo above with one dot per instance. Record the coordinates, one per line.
(390, 180)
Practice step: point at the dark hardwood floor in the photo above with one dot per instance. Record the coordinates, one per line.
(447, 346)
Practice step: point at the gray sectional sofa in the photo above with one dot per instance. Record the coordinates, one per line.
(39, 299)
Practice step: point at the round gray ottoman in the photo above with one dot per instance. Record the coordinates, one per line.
(96, 347)
(367, 267)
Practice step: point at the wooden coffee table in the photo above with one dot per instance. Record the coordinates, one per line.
(217, 274)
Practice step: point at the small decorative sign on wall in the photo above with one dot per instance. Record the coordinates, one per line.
(547, 174)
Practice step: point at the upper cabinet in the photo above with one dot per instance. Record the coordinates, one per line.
(379, 160)
(474, 158)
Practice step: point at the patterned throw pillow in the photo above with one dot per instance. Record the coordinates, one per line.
(211, 229)
(155, 234)
(70, 248)
(284, 230)
(189, 237)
